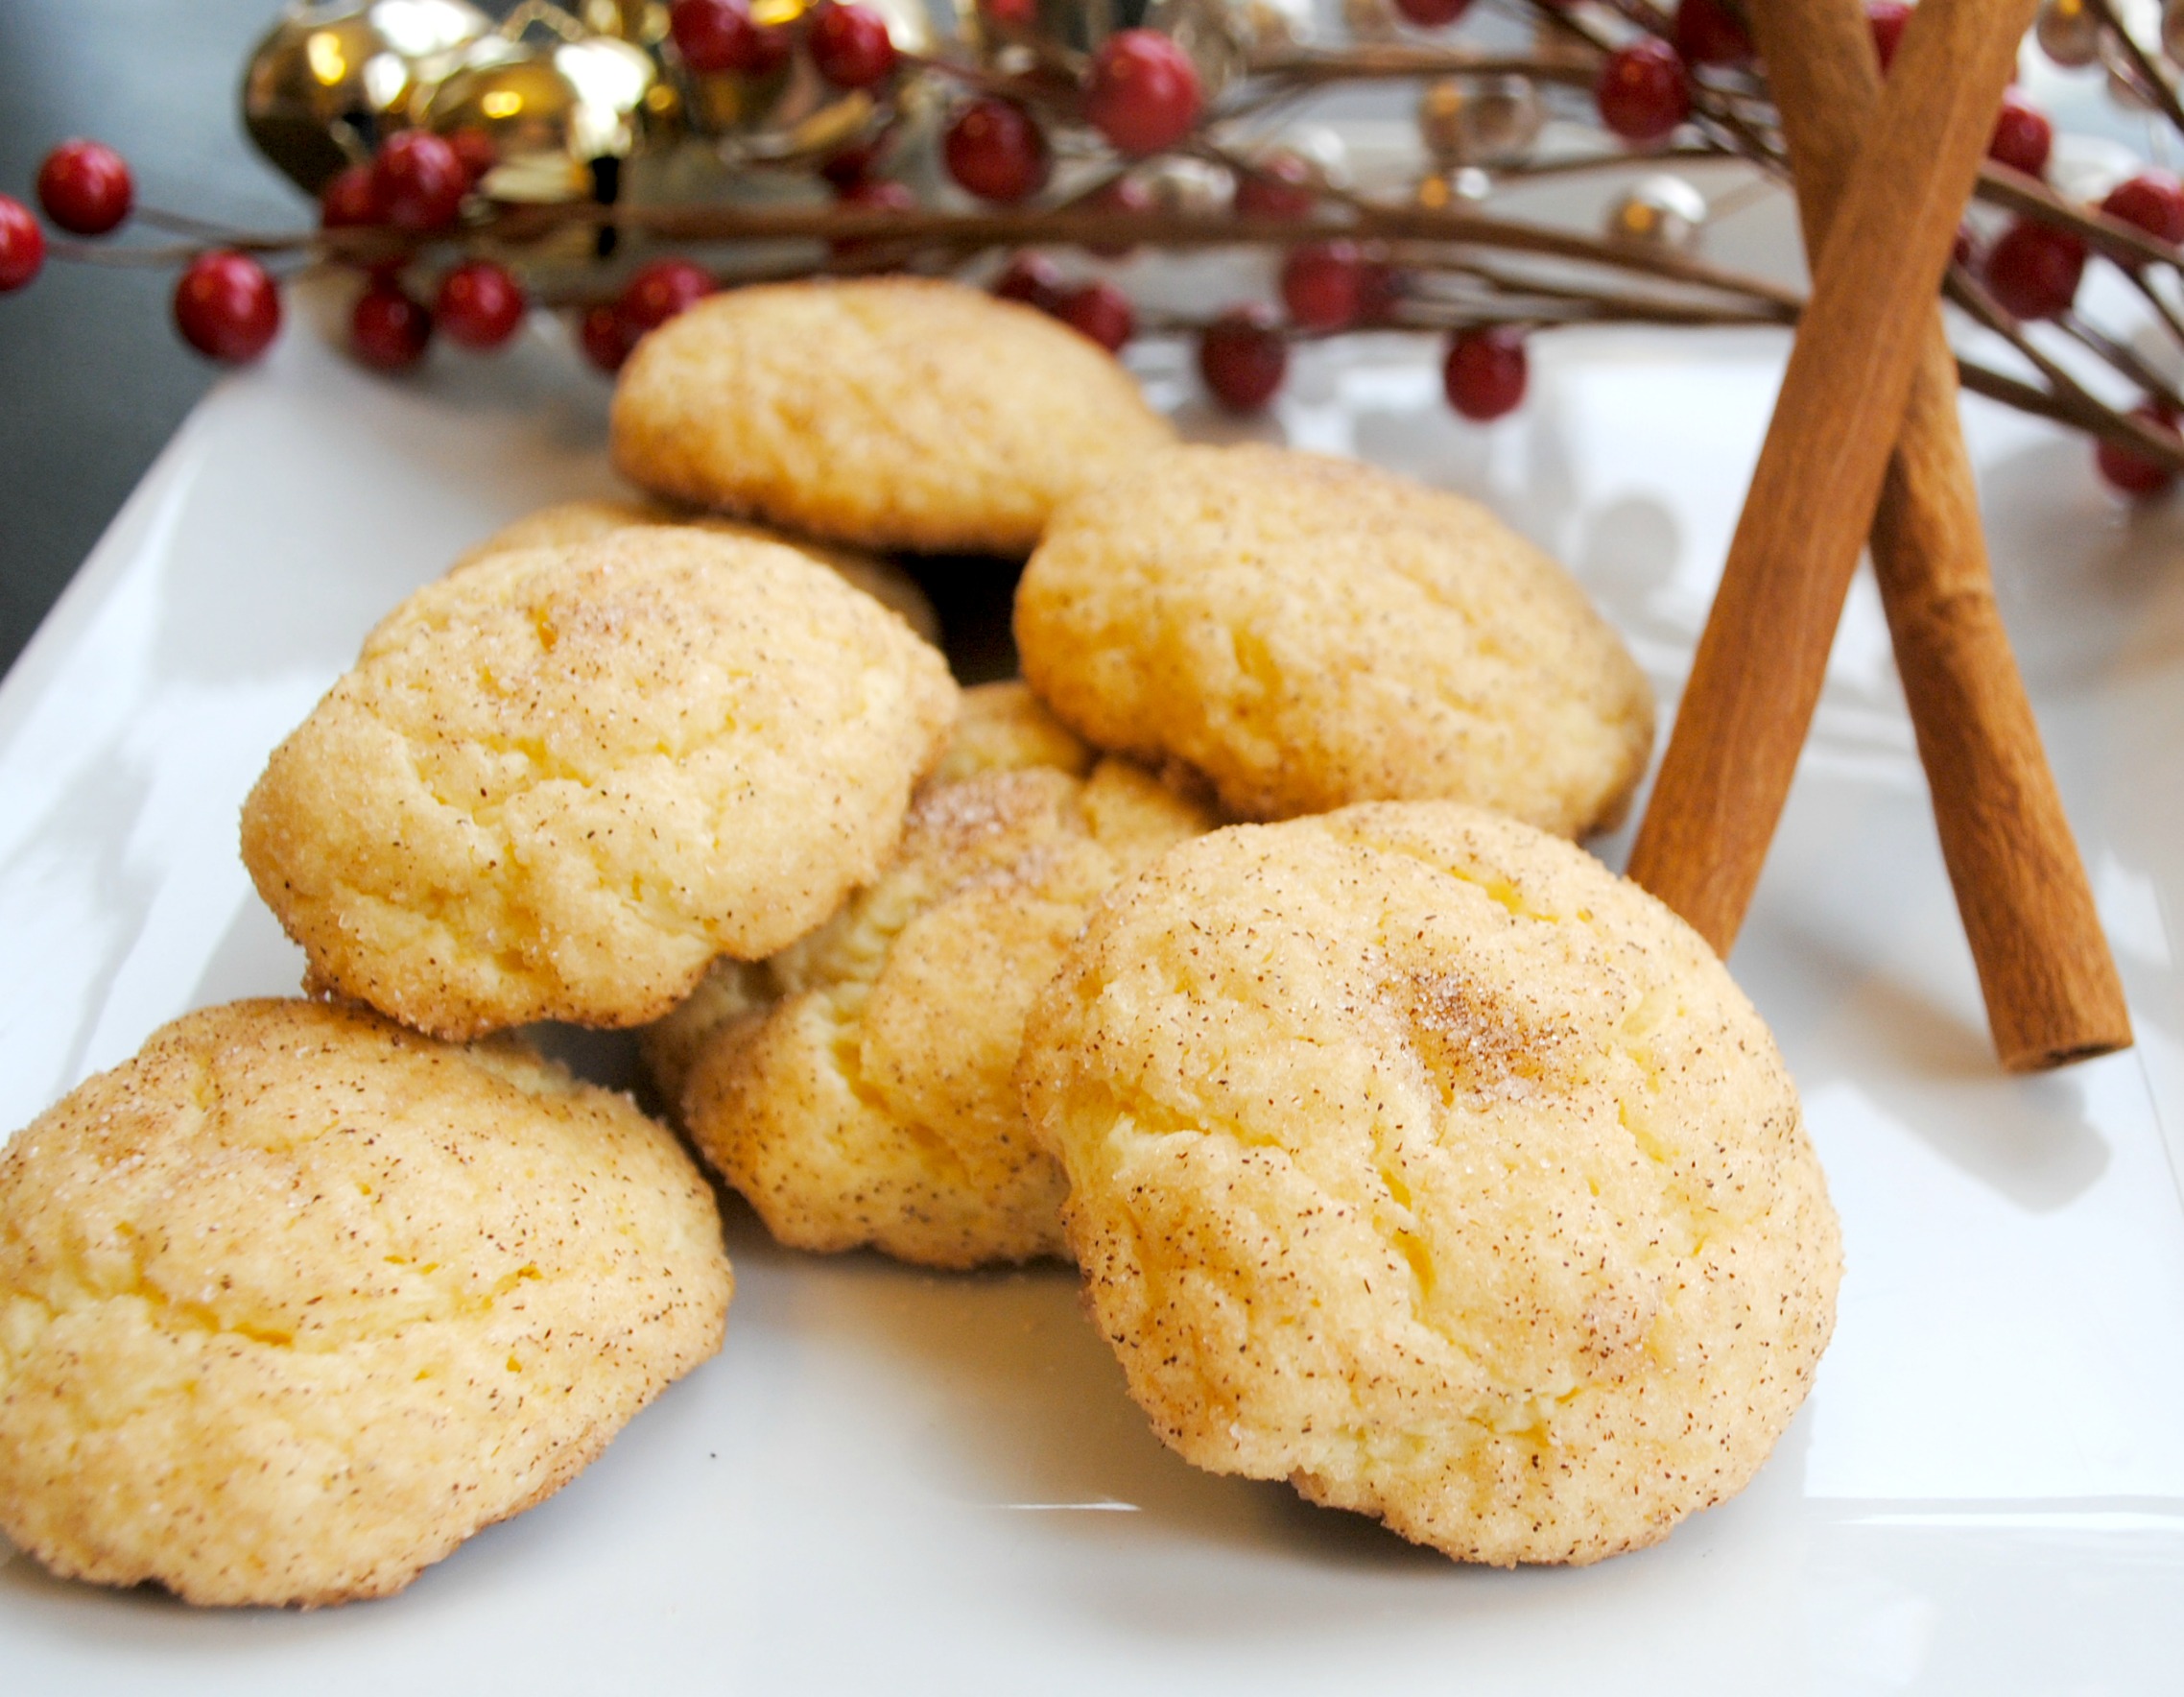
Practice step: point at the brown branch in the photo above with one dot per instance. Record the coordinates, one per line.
(2149, 73)
(1319, 65)
(2123, 242)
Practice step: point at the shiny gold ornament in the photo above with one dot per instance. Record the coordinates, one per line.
(1663, 211)
(1013, 35)
(642, 23)
(562, 110)
(1483, 121)
(794, 114)
(328, 83)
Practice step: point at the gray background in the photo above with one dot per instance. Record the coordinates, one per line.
(93, 379)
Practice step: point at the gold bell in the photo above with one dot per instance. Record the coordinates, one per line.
(330, 81)
(558, 109)
(793, 113)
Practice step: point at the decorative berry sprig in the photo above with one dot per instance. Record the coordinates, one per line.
(1055, 149)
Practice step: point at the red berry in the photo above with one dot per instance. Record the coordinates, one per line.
(1242, 358)
(388, 329)
(1143, 95)
(2033, 269)
(1100, 311)
(713, 36)
(1011, 16)
(2022, 135)
(605, 338)
(1642, 91)
(479, 304)
(226, 306)
(1886, 19)
(22, 245)
(1707, 35)
(2154, 201)
(1433, 14)
(1125, 194)
(1280, 185)
(84, 186)
(1484, 373)
(877, 194)
(1324, 286)
(2130, 473)
(850, 47)
(351, 199)
(476, 151)
(421, 180)
(995, 149)
(656, 292)
(772, 47)
(1033, 280)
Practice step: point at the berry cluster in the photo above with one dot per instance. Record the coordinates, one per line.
(419, 220)
(1645, 92)
(1326, 287)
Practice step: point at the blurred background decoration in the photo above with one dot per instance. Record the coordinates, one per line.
(606, 162)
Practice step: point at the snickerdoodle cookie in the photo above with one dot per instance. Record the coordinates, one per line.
(558, 782)
(1310, 632)
(858, 1088)
(294, 1302)
(568, 522)
(892, 411)
(1418, 1159)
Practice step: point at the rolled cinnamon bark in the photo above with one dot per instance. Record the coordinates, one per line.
(1762, 659)
(2051, 992)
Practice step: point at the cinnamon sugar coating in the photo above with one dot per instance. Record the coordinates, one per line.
(886, 412)
(1416, 1159)
(1310, 631)
(568, 522)
(558, 782)
(859, 1087)
(294, 1302)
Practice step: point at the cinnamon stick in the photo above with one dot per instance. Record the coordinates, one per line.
(2051, 992)
(1761, 661)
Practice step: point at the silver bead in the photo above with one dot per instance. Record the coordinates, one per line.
(1665, 211)
(1440, 190)
(1321, 147)
(1478, 120)
(1370, 21)
(2124, 83)
(2068, 33)
(1187, 185)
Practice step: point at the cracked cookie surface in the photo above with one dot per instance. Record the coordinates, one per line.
(558, 782)
(569, 523)
(888, 412)
(295, 1301)
(1310, 632)
(858, 1088)
(1418, 1159)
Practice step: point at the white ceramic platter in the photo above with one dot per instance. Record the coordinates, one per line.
(890, 1481)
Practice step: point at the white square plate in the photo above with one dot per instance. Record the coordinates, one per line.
(895, 1481)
